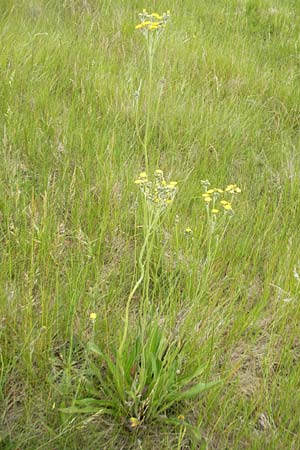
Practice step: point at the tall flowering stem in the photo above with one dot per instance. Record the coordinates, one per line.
(151, 27)
(158, 195)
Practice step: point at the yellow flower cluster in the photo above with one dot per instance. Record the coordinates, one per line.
(152, 22)
(217, 195)
(158, 193)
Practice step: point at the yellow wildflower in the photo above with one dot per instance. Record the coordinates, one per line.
(143, 175)
(215, 211)
(228, 207)
(93, 316)
(230, 187)
(154, 26)
(207, 199)
(220, 191)
(134, 422)
(188, 230)
(144, 24)
(156, 16)
(223, 202)
(210, 191)
(205, 195)
(158, 172)
(181, 417)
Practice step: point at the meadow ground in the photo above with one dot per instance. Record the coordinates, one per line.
(226, 82)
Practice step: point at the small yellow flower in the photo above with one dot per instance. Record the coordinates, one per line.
(138, 181)
(143, 25)
(156, 16)
(228, 207)
(215, 211)
(220, 191)
(154, 26)
(181, 417)
(143, 175)
(205, 195)
(223, 202)
(210, 191)
(237, 190)
(134, 422)
(230, 187)
(158, 172)
(93, 316)
(188, 230)
(207, 199)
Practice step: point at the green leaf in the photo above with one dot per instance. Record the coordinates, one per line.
(86, 410)
(94, 402)
(116, 370)
(199, 371)
(188, 394)
(196, 390)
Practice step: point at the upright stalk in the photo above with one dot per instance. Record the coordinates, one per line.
(149, 97)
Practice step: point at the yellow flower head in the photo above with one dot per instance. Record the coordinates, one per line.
(181, 417)
(154, 26)
(230, 187)
(158, 172)
(224, 202)
(188, 230)
(215, 211)
(207, 199)
(156, 16)
(228, 207)
(134, 422)
(143, 175)
(146, 24)
(93, 316)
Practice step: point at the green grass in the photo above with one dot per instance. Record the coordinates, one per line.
(71, 230)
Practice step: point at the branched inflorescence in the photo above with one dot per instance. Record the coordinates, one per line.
(152, 22)
(215, 198)
(158, 193)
